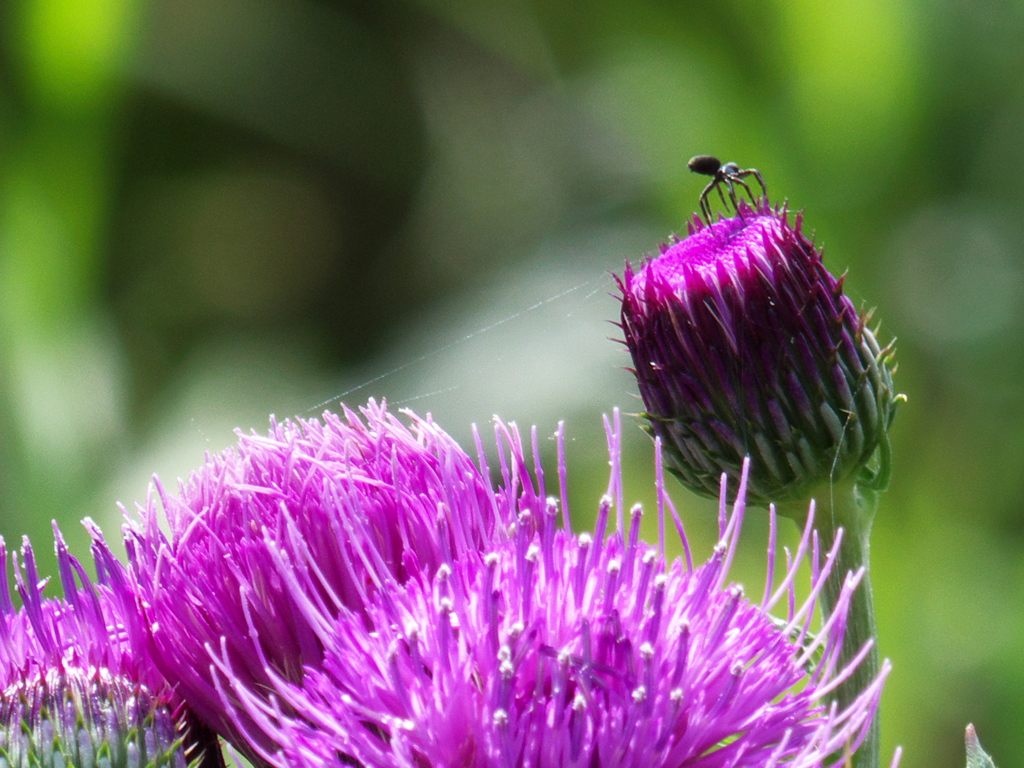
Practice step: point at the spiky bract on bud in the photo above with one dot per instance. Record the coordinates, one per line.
(79, 688)
(744, 344)
(976, 756)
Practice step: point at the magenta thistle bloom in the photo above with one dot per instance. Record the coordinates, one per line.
(744, 344)
(79, 688)
(553, 649)
(270, 541)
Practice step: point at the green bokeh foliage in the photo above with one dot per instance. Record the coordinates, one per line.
(267, 195)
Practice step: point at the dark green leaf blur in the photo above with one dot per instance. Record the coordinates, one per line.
(215, 210)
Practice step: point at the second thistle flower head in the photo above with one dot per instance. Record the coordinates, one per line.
(744, 344)
(79, 685)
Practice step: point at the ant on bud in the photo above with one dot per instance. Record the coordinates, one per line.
(728, 174)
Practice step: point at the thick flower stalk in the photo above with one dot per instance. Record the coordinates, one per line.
(331, 512)
(744, 345)
(546, 648)
(79, 688)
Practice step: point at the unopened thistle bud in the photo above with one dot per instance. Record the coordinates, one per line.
(744, 344)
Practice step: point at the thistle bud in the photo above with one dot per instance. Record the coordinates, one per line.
(744, 344)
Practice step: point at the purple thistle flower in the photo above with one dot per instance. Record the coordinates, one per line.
(745, 345)
(553, 649)
(79, 687)
(271, 541)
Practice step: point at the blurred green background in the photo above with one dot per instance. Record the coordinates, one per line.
(213, 210)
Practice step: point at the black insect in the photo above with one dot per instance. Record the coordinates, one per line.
(729, 175)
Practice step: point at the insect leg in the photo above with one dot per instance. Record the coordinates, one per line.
(732, 192)
(739, 180)
(757, 175)
(721, 194)
(705, 206)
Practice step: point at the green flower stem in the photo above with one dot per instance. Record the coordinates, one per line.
(851, 508)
